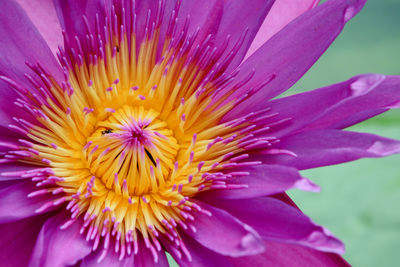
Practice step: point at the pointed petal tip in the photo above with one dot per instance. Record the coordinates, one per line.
(325, 241)
(307, 185)
(352, 10)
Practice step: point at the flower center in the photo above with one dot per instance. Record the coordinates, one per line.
(132, 152)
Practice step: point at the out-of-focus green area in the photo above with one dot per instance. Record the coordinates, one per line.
(359, 201)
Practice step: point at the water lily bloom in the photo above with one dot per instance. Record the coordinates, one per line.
(134, 128)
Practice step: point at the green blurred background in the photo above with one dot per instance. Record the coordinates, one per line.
(359, 201)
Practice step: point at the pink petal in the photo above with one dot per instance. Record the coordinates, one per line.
(18, 240)
(263, 180)
(291, 52)
(15, 204)
(337, 106)
(237, 239)
(10, 170)
(143, 258)
(44, 17)
(281, 14)
(57, 248)
(20, 43)
(327, 147)
(239, 16)
(281, 254)
(200, 256)
(203, 15)
(275, 220)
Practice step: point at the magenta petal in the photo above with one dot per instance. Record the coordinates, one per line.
(281, 13)
(337, 106)
(20, 43)
(15, 198)
(18, 240)
(292, 51)
(143, 258)
(200, 256)
(57, 248)
(264, 180)
(70, 14)
(110, 260)
(237, 239)
(11, 170)
(327, 147)
(275, 220)
(204, 16)
(280, 254)
(44, 17)
(238, 17)
(371, 95)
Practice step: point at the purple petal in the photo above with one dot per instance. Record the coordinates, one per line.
(8, 139)
(338, 105)
(372, 95)
(44, 17)
(263, 180)
(291, 52)
(20, 42)
(280, 254)
(145, 258)
(275, 220)
(18, 240)
(282, 12)
(237, 239)
(55, 247)
(203, 15)
(240, 16)
(327, 147)
(111, 259)
(11, 170)
(70, 14)
(15, 204)
(199, 255)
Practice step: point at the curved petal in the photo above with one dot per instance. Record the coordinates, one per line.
(145, 258)
(327, 147)
(8, 139)
(18, 240)
(279, 254)
(239, 17)
(204, 15)
(111, 259)
(199, 255)
(70, 14)
(263, 180)
(11, 170)
(44, 17)
(15, 204)
(20, 43)
(291, 52)
(237, 239)
(281, 14)
(372, 94)
(275, 220)
(337, 106)
(58, 248)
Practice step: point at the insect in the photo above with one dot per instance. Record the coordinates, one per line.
(107, 131)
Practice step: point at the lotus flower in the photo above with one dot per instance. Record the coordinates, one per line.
(154, 128)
